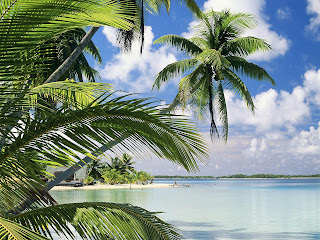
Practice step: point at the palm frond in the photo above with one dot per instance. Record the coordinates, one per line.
(192, 5)
(75, 94)
(180, 43)
(20, 39)
(237, 86)
(249, 69)
(173, 70)
(189, 84)
(18, 195)
(98, 221)
(213, 58)
(245, 46)
(79, 130)
(240, 20)
(12, 231)
(200, 100)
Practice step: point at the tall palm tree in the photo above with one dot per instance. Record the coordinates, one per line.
(217, 60)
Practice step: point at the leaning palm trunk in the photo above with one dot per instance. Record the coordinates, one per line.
(63, 68)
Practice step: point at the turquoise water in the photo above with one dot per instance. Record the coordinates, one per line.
(225, 209)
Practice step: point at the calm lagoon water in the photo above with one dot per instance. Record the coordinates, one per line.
(225, 209)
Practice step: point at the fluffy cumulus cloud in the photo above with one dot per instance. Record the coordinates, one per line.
(313, 8)
(273, 110)
(279, 43)
(307, 142)
(133, 71)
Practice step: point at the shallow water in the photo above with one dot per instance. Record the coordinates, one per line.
(225, 209)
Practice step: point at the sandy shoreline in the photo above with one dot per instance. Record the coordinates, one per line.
(117, 186)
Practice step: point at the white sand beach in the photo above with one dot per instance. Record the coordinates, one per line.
(116, 186)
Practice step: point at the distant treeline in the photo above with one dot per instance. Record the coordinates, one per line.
(238, 176)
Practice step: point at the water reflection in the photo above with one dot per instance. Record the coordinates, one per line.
(137, 197)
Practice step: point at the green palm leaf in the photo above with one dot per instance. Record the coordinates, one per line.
(237, 86)
(98, 221)
(12, 231)
(74, 94)
(250, 70)
(173, 70)
(222, 109)
(180, 43)
(245, 46)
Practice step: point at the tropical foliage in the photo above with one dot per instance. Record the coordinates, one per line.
(217, 59)
(33, 133)
(113, 176)
(124, 164)
(95, 168)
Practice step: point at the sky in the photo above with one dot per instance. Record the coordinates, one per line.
(283, 136)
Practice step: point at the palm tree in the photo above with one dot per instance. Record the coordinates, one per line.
(125, 37)
(127, 163)
(113, 176)
(54, 136)
(143, 177)
(32, 132)
(123, 165)
(217, 58)
(95, 168)
(64, 45)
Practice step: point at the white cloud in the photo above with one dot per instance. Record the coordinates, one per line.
(280, 44)
(283, 13)
(133, 71)
(111, 35)
(273, 110)
(312, 85)
(271, 141)
(307, 142)
(313, 8)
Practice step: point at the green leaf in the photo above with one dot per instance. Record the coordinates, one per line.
(13, 231)
(180, 43)
(98, 221)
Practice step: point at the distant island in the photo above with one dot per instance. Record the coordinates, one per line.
(237, 176)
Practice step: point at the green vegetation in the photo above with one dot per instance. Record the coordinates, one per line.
(113, 176)
(56, 123)
(217, 54)
(118, 171)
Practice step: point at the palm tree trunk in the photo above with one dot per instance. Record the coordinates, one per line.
(70, 171)
(73, 56)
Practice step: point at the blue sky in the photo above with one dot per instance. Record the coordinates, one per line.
(283, 137)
